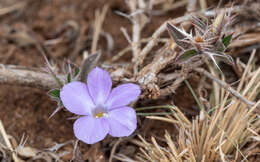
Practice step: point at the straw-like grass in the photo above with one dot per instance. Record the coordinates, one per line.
(218, 135)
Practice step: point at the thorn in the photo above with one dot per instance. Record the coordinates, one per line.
(55, 111)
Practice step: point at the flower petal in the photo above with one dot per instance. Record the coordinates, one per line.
(90, 130)
(123, 95)
(99, 85)
(122, 122)
(76, 99)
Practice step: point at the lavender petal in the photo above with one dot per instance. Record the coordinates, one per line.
(76, 99)
(99, 85)
(123, 95)
(122, 121)
(90, 130)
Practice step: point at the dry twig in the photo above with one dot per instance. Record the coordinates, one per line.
(8, 143)
(220, 135)
(112, 154)
(17, 6)
(15, 75)
(99, 19)
(227, 86)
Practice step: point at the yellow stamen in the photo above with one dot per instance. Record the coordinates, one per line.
(199, 39)
(99, 115)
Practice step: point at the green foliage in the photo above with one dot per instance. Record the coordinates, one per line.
(187, 55)
(69, 78)
(73, 74)
(226, 41)
(55, 93)
(76, 71)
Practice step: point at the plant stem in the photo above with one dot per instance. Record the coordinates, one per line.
(226, 86)
(194, 95)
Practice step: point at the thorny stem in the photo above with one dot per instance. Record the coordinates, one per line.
(226, 86)
(43, 52)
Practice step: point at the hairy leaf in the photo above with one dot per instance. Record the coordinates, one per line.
(177, 35)
(76, 71)
(89, 63)
(187, 55)
(199, 24)
(225, 58)
(55, 93)
(69, 78)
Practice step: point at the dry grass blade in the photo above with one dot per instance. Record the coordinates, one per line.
(8, 143)
(217, 136)
(7, 10)
(99, 19)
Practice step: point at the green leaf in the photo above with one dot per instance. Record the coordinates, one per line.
(76, 71)
(54, 93)
(69, 78)
(226, 41)
(187, 55)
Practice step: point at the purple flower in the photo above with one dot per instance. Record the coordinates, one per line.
(102, 111)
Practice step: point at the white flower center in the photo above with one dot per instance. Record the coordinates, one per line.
(99, 112)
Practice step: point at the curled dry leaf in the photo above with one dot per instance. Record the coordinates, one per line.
(89, 63)
(27, 152)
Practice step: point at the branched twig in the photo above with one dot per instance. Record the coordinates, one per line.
(148, 75)
(171, 89)
(151, 44)
(181, 77)
(162, 59)
(138, 20)
(136, 28)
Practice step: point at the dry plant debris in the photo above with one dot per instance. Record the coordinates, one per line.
(221, 133)
(225, 126)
